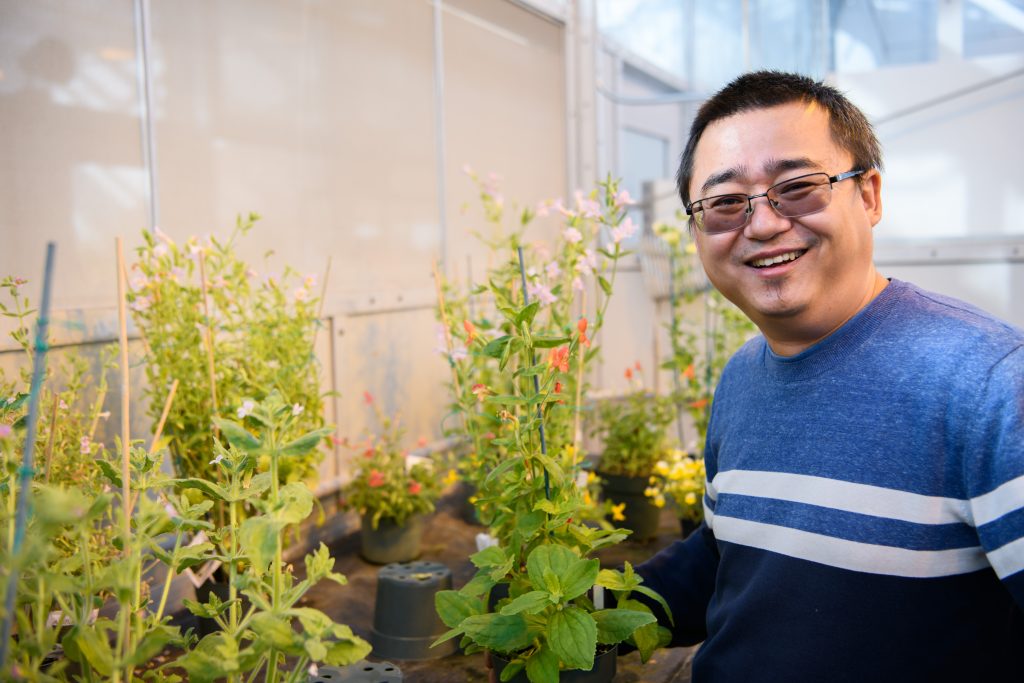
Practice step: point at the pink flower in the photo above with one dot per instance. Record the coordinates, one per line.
(368, 398)
(460, 353)
(623, 199)
(421, 442)
(577, 284)
(480, 391)
(297, 409)
(572, 235)
(375, 480)
(624, 230)
(588, 208)
(86, 445)
(5, 431)
(541, 293)
(553, 270)
(587, 262)
(415, 487)
(300, 293)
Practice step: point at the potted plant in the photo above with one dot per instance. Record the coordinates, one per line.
(635, 437)
(555, 617)
(680, 480)
(390, 493)
(274, 634)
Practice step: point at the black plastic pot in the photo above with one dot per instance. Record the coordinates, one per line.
(360, 672)
(390, 542)
(405, 621)
(642, 516)
(603, 671)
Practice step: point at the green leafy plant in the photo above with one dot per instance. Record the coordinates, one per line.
(385, 485)
(275, 626)
(634, 430)
(227, 335)
(551, 619)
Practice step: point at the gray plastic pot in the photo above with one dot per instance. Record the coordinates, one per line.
(405, 621)
(360, 672)
(642, 517)
(603, 671)
(390, 542)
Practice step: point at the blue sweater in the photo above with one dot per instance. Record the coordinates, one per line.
(865, 505)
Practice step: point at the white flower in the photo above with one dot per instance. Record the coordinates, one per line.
(577, 284)
(247, 407)
(623, 199)
(541, 293)
(460, 353)
(587, 262)
(297, 409)
(220, 456)
(300, 294)
(572, 235)
(63, 405)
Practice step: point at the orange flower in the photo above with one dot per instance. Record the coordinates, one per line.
(582, 327)
(558, 387)
(697, 405)
(629, 373)
(637, 366)
(376, 479)
(368, 397)
(470, 331)
(480, 391)
(559, 358)
(414, 487)
(689, 372)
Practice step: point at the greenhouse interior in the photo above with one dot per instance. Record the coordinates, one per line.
(451, 340)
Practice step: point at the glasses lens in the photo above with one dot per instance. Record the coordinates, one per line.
(723, 213)
(801, 196)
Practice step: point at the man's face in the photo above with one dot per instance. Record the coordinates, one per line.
(801, 300)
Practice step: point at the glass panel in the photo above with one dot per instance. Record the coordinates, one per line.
(651, 29)
(72, 170)
(717, 43)
(868, 34)
(319, 116)
(788, 35)
(993, 27)
(504, 114)
(644, 158)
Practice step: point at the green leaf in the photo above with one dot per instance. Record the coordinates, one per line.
(644, 590)
(296, 503)
(531, 603)
(572, 635)
(95, 647)
(274, 631)
(612, 580)
(215, 657)
(527, 314)
(646, 637)
(554, 558)
(496, 347)
(549, 342)
(579, 577)
(529, 524)
(305, 443)
(153, 643)
(606, 286)
(237, 435)
(453, 607)
(257, 538)
(491, 556)
(504, 633)
(110, 472)
(208, 487)
(542, 665)
(615, 625)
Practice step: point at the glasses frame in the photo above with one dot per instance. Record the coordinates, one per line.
(832, 180)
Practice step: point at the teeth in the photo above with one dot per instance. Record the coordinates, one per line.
(781, 258)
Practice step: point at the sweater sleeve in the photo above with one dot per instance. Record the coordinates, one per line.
(994, 470)
(684, 574)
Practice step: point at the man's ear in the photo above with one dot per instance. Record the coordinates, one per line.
(870, 187)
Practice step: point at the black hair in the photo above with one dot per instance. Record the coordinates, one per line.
(850, 129)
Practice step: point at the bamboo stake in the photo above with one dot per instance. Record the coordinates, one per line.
(320, 308)
(163, 417)
(98, 411)
(122, 316)
(52, 437)
(209, 334)
(447, 330)
(577, 429)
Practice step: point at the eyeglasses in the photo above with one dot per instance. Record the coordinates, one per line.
(800, 196)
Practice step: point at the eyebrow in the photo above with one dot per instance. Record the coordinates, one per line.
(771, 167)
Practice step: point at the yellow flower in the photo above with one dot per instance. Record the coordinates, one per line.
(659, 501)
(587, 500)
(617, 512)
(450, 478)
(691, 498)
(691, 248)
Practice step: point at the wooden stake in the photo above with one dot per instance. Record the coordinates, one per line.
(577, 431)
(320, 309)
(122, 315)
(209, 334)
(163, 417)
(447, 330)
(53, 436)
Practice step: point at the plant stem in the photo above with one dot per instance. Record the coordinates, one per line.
(276, 575)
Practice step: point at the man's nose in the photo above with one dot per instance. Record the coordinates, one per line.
(764, 221)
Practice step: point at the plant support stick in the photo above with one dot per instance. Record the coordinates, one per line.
(25, 473)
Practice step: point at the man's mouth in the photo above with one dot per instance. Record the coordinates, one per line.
(775, 260)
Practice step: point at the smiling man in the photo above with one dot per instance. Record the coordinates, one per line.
(864, 516)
